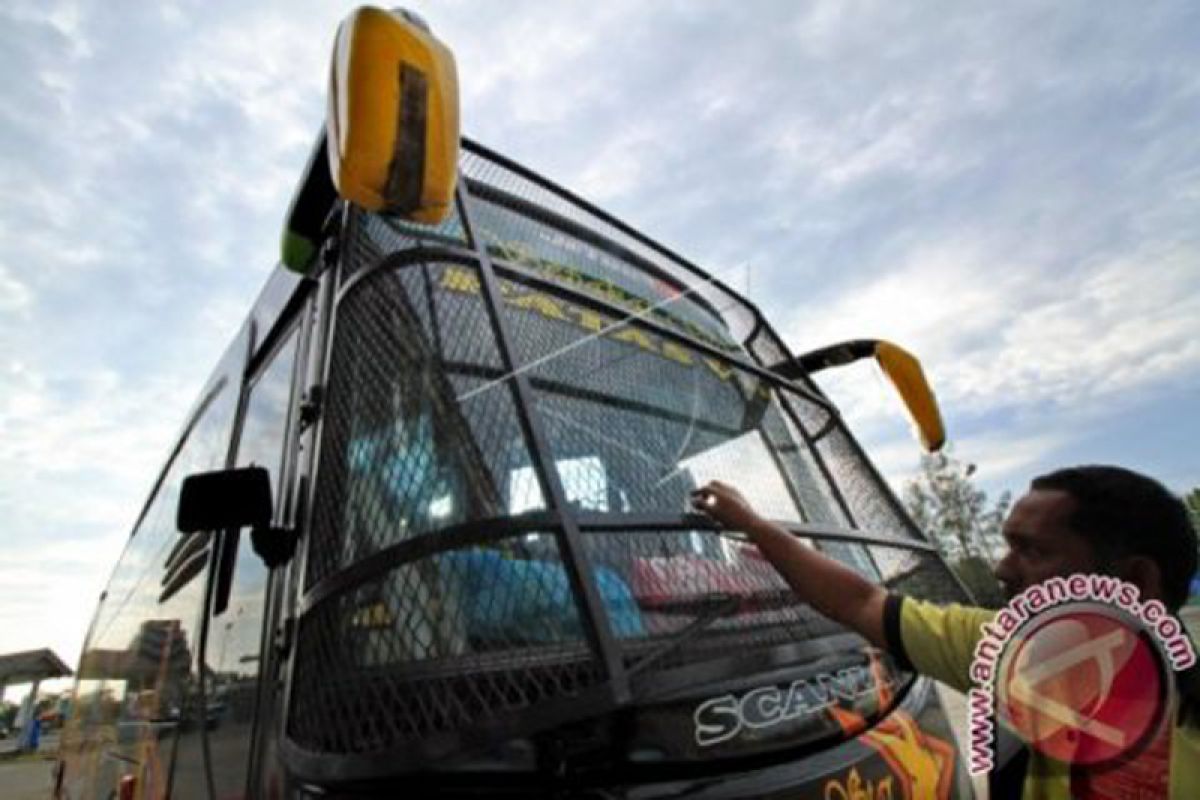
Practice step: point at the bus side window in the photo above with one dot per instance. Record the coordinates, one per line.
(233, 654)
(138, 689)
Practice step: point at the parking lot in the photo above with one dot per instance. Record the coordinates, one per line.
(26, 778)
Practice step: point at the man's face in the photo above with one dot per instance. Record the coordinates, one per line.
(1041, 543)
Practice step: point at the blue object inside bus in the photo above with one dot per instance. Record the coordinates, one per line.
(530, 601)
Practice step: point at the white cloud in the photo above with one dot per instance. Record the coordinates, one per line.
(1024, 337)
(78, 455)
(14, 296)
(621, 165)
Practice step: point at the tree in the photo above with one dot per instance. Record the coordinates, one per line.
(944, 503)
(1192, 501)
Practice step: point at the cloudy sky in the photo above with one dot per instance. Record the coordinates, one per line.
(1009, 190)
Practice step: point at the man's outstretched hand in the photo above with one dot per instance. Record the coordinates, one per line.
(726, 506)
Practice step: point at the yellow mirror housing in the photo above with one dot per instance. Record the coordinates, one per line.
(904, 371)
(392, 122)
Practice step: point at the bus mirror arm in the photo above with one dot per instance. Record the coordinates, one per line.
(902, 369)
(275, 546)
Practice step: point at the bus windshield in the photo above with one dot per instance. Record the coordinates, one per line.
(519, 403)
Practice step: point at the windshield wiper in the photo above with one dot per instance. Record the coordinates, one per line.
(719, 604)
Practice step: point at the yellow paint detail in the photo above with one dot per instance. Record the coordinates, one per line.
(720, 370)
(635, 336)
(924, 763)
(677, 353)
(591, 321)
(376, 615)
(543, 304)
(855, 788)
(459, 279)
(519, 252)
(466, 281)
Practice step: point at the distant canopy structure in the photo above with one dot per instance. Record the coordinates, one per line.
(31, 666)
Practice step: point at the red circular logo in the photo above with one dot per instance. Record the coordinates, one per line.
(1083, 685)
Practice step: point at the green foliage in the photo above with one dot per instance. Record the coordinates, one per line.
(977, 575)
(1192, 501)
(956, 515)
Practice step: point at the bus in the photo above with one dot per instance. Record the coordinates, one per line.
(426, 528)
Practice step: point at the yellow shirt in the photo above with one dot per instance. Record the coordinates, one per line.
(939, 641)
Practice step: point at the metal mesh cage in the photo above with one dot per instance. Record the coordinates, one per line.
(636, 421)
(432, 604)
(442, 640)
(439, 645)
(373, 236)
(552, 215)
(400, 455)
(681, 577)
(865, 494)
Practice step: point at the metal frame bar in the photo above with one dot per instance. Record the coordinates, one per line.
(296, 322)
(652, 522)
(483, 531)
(323, 327)
(494, 529)
(580, 574)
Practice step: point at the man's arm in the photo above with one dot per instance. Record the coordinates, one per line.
(835, 590)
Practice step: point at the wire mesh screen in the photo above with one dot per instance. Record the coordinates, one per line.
(373, 236)
(636, 421)
(722, 585)
(549, 213)
(865, 496)
(917, 574)
(400, 456)
(444, 640)
(440, 645)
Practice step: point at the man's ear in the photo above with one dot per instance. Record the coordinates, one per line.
(1144, 573)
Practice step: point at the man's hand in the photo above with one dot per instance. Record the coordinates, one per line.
(726, 505)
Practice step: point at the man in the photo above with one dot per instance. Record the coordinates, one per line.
(1092, 519)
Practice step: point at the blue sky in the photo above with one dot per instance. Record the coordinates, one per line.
(1009, 190)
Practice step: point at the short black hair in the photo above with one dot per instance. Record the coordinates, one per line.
(1123, 513)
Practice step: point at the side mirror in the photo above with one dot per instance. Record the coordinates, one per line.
(230, 498)
(392, 123)
(901, 368)
(390, 140)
